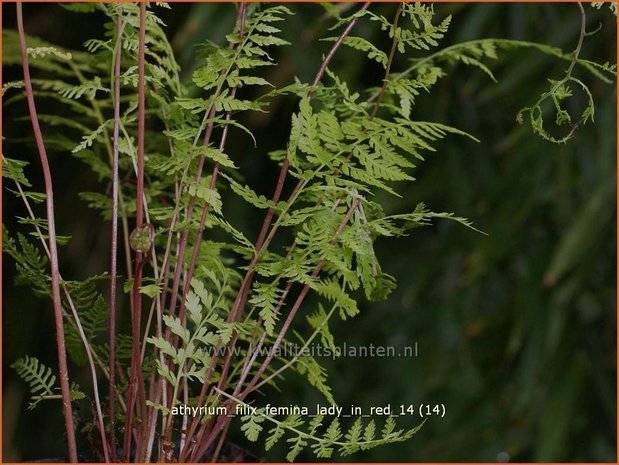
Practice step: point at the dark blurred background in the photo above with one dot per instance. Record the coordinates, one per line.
(515, 329)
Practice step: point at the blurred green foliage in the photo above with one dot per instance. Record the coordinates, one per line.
(516, 328)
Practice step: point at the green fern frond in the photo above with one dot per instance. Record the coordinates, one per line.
(365, 46)
(322, 440)
(41, 381)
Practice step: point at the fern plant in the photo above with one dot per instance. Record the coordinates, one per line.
(204, 297)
